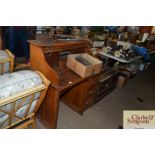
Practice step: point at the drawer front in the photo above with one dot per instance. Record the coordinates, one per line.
(92, 84)
(114, 79)
(100, 95)
(89, 101)
(94, 80)
(90, 96)
(105, 87)
(91, 91)
(106, 84)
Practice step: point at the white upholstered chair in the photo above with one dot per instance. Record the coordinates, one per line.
(6, 62)
(21, 94)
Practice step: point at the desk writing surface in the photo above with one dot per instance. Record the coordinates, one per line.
(67, 77)
(53, 43)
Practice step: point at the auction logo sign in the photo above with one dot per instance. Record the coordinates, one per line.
(139, 119)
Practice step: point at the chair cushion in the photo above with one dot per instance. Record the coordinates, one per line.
(16, 82)
(20, 112)
(4, 56)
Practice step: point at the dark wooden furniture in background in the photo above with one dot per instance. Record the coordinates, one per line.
(78, 93)
(106, 84)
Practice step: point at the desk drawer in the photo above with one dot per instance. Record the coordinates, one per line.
(105, 87)
(101, 95)
(105, 84)
(89, 101)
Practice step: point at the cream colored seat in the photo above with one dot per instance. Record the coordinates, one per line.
(21, 94)
(6, 62)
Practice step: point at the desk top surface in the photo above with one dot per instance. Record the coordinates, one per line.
(67, 77)
(58, 42)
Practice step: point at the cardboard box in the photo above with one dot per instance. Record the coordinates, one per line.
(81, 69)
(121, 81)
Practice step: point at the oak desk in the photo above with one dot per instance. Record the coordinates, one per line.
(76, 92)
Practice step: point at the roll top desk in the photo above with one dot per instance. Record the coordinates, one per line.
(49, 57)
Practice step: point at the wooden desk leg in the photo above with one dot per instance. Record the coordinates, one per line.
(48, 112)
